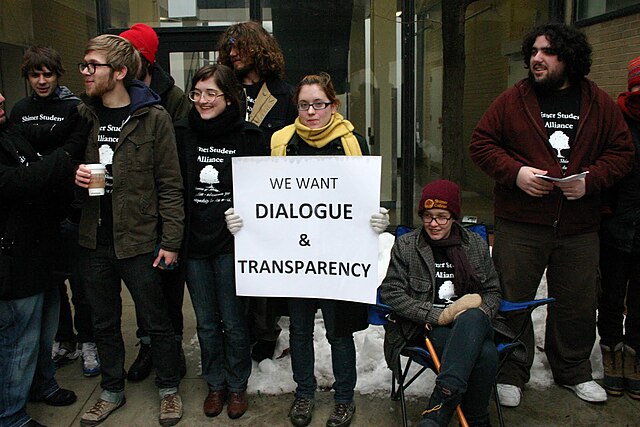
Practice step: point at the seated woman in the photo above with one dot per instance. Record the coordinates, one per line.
(441, 280)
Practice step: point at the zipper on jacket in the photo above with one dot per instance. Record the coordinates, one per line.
(555, 223)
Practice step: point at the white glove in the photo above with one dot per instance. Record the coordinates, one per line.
(380, 221)
(234, 222)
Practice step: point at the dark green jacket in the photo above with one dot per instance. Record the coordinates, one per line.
(147, 186)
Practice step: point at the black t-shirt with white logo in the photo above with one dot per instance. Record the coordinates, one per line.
(445, 293)
(252, 92)
(111, 122)
(560, 111)
(212, 196)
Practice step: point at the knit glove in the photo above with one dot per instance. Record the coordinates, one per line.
(451, 312)
(380, 220)
(233, 220)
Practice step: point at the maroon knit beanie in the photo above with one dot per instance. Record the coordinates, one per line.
(634, 73)
(441, 194)
(144, 39)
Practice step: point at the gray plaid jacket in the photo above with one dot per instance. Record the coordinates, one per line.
(408, 287)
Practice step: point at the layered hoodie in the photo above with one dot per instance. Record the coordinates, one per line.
(147, 186)
(511, 134)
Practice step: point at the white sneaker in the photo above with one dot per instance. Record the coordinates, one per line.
(589, 391)
(90, 359)
(509, 395)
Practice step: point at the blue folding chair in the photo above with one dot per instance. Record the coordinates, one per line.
(506, 345)
(507, 341)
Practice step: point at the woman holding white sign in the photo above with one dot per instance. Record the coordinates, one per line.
(208, 139)
(321, 130)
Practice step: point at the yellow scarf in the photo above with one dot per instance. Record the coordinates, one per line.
(338, 127)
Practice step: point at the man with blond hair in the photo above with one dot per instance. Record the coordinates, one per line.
(133, 137)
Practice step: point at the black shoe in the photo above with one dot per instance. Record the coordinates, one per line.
(141, 367)
(262, 350)
(342, 415)
(182, 361)
(301, 412)
(60, 397)
(442, 405)
(33, 423)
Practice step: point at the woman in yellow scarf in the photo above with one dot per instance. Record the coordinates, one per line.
(321, 130)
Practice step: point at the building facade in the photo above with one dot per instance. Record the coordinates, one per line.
(387, 58)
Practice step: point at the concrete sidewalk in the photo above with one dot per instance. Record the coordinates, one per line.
(554, 406)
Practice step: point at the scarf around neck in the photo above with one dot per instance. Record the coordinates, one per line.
(629, 103)
(465, 279)
(338, 127)
(227, 121)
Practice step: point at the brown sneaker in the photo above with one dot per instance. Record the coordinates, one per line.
(237, 404)
(214, 403)
(99, 412)
(170, 410)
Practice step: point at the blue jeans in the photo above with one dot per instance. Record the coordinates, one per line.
(27, 328)
(469, 362)
(302, 312)
(222, 325)
(103, 273)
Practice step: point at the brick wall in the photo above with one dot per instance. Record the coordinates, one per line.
(614, 43)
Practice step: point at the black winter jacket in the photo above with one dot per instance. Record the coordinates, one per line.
(30, 197)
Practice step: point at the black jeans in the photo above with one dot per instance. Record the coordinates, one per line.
(172, 282)
(469, 361)
(620, 281)
(103, 273)
(81, 318)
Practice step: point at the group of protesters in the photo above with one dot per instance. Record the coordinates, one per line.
(558, 147)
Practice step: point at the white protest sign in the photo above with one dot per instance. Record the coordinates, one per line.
(306, 226)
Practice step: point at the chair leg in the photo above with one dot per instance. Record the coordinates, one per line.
(400, 390)
(498, 406)
(403, 406)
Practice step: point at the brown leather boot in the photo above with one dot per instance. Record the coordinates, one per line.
(237, 404)
(612, 362)
(214, 403)
(631, 367)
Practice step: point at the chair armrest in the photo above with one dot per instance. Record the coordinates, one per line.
(508, 306)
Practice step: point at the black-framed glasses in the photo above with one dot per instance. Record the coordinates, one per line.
(208, 95)
(317, 105)
(90, 67)
(440, 220)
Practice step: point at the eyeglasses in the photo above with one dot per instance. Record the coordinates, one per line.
(318, 105)
(440, 220)
(209, 95)
(90, 67)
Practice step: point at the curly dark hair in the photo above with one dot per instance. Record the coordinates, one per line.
(36, 57)
(254, 42)
(567, 42)
(224, 78)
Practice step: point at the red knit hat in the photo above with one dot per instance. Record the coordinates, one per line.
(634, 73)
(441, 194)
(143, 38)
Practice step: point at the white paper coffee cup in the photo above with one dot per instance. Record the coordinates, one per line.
(96, 185)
